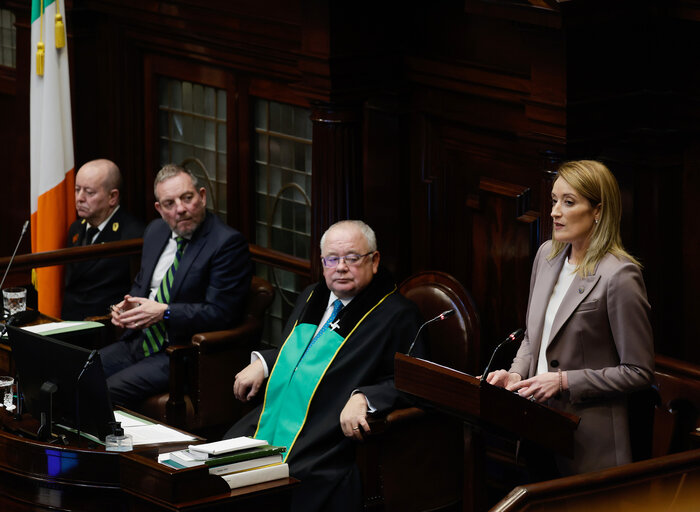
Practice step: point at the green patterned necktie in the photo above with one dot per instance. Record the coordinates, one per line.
(154, 336)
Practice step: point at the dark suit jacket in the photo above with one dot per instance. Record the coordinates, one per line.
(92, 285)
(211, 284)
(601, 336)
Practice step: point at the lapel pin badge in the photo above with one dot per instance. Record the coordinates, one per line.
(581, 290)
(115, 226)
(334, 325)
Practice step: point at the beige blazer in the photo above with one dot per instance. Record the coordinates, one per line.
(602, 338)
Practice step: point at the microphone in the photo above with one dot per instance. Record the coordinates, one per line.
(516, 335)
(440, 317)
(12, 258)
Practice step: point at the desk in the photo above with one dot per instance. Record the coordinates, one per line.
(42, 476)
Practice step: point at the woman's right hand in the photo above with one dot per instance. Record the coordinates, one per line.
(502, 378)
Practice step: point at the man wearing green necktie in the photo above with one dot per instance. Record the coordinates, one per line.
(195, 275)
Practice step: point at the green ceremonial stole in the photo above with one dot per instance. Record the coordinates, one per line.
(292, 383)
(295, 377)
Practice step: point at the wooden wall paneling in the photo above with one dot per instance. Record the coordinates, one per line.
(258, 37)
(505, 233)
(336, 180)
(650, 173)
(386, 191)
(691, 254)
(14, 144)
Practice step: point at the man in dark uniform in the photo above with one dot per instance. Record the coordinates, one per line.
(335, 366)
(92, 285)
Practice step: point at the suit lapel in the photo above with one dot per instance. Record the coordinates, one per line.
(546, 279)
(150, 258)
(577, 292)
(194, 247)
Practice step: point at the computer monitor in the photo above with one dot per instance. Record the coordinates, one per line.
(50, 368)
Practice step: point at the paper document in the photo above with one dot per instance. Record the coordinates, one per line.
(58, 327)
(146, 432)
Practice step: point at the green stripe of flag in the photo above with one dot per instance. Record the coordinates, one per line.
(36, 8)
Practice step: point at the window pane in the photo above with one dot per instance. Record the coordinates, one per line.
(192, 127)
(288, 286)
(8, 50)
(282, 149)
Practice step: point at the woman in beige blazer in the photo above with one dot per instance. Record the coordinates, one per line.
(588, 341)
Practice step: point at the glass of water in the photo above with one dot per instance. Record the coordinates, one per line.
(14, 299)
(6, 384)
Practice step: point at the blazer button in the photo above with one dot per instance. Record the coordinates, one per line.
(554, 363)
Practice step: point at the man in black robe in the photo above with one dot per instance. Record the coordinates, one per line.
(335, 367)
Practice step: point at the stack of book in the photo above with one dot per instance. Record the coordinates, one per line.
(240, 461)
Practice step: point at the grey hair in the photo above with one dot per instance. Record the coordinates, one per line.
(366, 231)
(170, 171)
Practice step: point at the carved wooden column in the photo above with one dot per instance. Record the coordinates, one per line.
(336, 159)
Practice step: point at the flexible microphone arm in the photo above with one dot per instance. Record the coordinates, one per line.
(12, 258)
(516, 335)
(77, 391)
(440, 317)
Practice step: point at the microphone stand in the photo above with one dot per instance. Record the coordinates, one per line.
(516, 335)
(88, 362)
(12, 258)
(441, 316)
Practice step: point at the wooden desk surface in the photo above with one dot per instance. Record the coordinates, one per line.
(38, 475)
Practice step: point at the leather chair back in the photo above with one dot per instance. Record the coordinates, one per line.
(453, 342)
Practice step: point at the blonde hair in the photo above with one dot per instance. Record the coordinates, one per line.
(594, 181)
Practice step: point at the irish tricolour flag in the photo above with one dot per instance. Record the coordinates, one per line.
(51, 131)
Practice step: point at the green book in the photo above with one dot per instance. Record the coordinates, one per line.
(251, 453)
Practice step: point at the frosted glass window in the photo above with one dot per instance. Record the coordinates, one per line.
(282, 152)
(192, 133)
(283, 177)
(8, 45)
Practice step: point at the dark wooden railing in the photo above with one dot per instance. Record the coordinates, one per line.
(669, 483)
(26, 262)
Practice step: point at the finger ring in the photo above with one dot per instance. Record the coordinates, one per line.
(356, 428)
(532, 398)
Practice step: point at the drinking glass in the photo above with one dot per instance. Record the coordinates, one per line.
(14, 299)
(6, 384)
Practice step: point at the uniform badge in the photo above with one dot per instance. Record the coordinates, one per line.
(82, 221)
(115, 226)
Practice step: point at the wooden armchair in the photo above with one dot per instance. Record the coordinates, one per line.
(200, 398)
(677, 413)
(413, 458)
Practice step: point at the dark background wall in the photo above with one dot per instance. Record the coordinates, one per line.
(439, 123)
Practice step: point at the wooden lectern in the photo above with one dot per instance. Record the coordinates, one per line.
(483, 406)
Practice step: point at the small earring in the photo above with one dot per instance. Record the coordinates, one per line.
(596, 221)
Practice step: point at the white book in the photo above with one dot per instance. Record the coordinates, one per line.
(185, 458)
(245, 464)
(256, 476)
(206, 450)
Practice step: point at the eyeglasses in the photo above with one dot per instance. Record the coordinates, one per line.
(349, 259)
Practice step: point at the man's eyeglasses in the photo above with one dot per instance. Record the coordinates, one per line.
(349, 259)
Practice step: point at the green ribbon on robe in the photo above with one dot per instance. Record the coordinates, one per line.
(293, 382)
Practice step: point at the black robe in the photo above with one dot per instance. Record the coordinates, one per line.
(322, 457)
